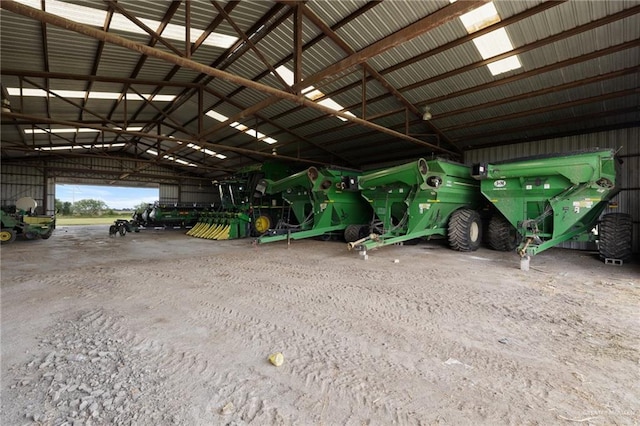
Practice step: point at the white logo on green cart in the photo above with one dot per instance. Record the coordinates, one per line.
(500, 183)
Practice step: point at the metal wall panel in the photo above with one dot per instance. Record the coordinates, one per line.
(625, 141)
(169, 193)
(22, 181)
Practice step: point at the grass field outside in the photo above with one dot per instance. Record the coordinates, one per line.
(98, 220)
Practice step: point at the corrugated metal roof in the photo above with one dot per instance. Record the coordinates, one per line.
(70, 53)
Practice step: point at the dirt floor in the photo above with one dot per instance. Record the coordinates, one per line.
(160, 328)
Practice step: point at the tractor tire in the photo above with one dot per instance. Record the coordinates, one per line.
(47, 235)
(7, 235)
(261, 224)
(355, 232)
(352, 233)
(113, 230)
(122, 230)
(614, 232)
(465, 230)
(29, 235)
(501, 235)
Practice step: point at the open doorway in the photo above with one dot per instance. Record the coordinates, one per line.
(96, 204)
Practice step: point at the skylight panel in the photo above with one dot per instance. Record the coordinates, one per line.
(95, 18)
(58, 148)
(61, 130)
(69, 147)
(480, 18)
(286, 74)
(216, 115)
(80, 94)
(493, 43)
(241, 127)
(311, 92)
(504, 65)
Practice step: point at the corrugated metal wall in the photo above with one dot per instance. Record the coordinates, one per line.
(22, 181)
(187, 192)
(626, 141)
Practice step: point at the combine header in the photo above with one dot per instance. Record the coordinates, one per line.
(169, 215)
(546, 200)
(421, 199)
(238, 214)
(322, 201)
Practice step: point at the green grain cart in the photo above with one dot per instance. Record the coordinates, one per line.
(421, 199)
(546, 200)
(322, 202)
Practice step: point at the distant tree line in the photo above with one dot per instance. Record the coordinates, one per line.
(86, 207)
(89, 207)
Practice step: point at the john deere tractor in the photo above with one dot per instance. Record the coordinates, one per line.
(22, 220)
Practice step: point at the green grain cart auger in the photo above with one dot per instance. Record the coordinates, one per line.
(422, 199)
(322, 202)
(546, 200)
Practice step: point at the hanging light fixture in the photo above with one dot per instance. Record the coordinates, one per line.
(427, 113)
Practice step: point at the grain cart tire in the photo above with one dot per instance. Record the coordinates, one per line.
(615, 231)
(7, 236)
(352, 233)
(465, 230)
(501, 235)
(262, 224)
(355, 232)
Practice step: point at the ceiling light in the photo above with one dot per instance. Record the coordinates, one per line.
(427, 114)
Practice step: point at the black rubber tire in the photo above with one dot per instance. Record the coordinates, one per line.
(47, 235)
(113, 230)
(465, 230)
(122, 230)
(8, 236)
(501, 235)
(615, 230)
(352, 233)
(29, 235)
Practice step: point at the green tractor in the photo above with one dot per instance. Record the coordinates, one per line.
(22, 220)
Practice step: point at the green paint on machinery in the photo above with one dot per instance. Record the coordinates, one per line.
(183, 215)
(21, 220)
(421, 199)
(238, 213)
(322, 201)
(546, 200)
(221, 226)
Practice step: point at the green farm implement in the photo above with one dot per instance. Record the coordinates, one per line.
(238, 214)
(169, 215)
(322, 202)
(421, 199)
(547, 200)
(21, 220)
